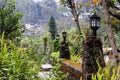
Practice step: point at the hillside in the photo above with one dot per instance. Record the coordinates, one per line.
(36, 13)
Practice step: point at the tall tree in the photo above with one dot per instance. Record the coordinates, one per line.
(75, 10)
(52, 27)
(10, 20)
(109, 27)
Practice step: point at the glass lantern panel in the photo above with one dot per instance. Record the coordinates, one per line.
(57, 37)
(64, 34)
(94, 23)
(96, 20)
(98, 23)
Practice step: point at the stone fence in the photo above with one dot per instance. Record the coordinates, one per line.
(73, 69)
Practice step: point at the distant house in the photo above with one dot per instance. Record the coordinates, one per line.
(33, 30)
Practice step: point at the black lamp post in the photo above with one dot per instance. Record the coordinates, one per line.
(94, 23)
(64, 47)
(57, 37)
(64, 35)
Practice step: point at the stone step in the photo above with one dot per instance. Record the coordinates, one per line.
(46, 67)
(44, 75)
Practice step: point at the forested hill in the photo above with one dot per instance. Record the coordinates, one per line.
(40, 12)
(37, 13)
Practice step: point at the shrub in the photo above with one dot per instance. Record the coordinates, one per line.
(107, 73)
(15, 63)
(75, 57)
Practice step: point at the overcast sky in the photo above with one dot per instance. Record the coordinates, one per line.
(41, 0)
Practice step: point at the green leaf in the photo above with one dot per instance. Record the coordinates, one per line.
(5, 69)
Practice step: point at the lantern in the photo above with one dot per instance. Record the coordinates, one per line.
(64, 35)
(94, 23)
(57, 37)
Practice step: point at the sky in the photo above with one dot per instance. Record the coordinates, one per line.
(41, 0)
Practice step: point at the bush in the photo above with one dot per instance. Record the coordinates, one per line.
(107, 73)
(15, 63)
(75, 57)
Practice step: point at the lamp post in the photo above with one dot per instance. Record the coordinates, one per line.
(92, 50)
(64, 47)
(94, 23)
(64, 35)
(57, 37)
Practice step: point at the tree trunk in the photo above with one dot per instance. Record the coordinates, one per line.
(75, 15)
(78, 26)
(109, 29)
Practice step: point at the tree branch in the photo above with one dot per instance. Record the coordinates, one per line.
(119, 1)
(115, 15)
(111, 4)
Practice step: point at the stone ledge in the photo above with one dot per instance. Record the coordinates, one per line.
(46, 67)
(74, 69)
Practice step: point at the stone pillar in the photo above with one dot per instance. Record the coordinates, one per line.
(92, 53)
(64, 48)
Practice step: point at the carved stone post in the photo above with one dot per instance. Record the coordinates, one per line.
(92, 54)
(64, 48)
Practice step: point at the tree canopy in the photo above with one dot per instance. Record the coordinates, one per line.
(10, 20)
(52, 27)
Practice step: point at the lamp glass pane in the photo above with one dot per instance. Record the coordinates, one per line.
(64, 34)
(98, 23)
(94, 23)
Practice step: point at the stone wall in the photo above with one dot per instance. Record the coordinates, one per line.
(73, 69)
(92, 56)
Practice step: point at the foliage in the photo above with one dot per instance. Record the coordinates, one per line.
(56, 73)
(107, 73)
(56, 44)
(55, 55)
(76, 41)
(113, 8)
(75, 9)
(52, 27)
(115, 25)
(75, 57)
(10, 20)
(96, 2)
(35, 48)
(116, 28)
(15, 63)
